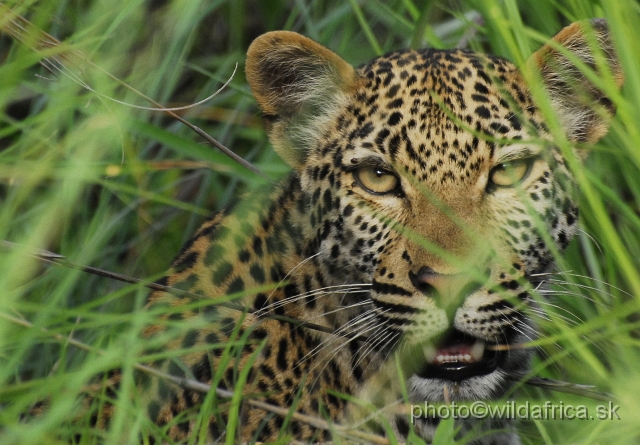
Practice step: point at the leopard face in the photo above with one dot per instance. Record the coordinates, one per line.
(427, 197)
(441, 219)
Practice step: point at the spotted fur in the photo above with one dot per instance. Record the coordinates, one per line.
(446, 250)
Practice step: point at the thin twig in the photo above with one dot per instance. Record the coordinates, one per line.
(40, 42)
(194, 385)
(59, 260)
(561, 386)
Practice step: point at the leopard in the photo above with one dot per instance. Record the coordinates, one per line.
(399, 260)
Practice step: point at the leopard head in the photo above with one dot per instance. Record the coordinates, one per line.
(438, 180)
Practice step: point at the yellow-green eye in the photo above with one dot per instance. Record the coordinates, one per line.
(375, 180)
(510, 173)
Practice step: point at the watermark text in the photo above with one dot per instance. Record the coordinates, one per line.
(515, 410)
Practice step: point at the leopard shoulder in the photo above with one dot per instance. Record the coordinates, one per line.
(426, 194)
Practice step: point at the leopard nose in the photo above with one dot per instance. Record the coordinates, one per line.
(447, 288)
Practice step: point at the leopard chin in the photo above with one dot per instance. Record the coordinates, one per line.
(461, 367)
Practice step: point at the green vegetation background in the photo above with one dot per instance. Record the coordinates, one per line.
(121, 188)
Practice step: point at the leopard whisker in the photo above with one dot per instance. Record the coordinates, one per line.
(337, 349)
(363, 318)
(370, 344)
(562, 291)
(391, 336)
(557, 315)
(584, 286)
(372, 339)
(570, 273)
(555, 318)
(513, 326)
(288, 274)
(340, 309)
(316, 293)
(595, 242)
(330, 289)
(585, 277)
(381, 345)
(535, 335)
(539, 313)
(545, 274)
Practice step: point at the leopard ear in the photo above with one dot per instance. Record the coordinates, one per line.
(298, 83)
(583, 109)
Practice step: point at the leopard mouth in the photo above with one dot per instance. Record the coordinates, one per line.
(459, 356)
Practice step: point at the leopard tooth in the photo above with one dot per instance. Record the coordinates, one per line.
(477, 350)
(429, 352)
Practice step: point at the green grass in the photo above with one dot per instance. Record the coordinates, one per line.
(122, 189)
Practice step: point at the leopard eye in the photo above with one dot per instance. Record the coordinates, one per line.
(376, 180)
(510, 173)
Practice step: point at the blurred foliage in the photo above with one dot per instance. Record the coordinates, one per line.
(122, 188)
